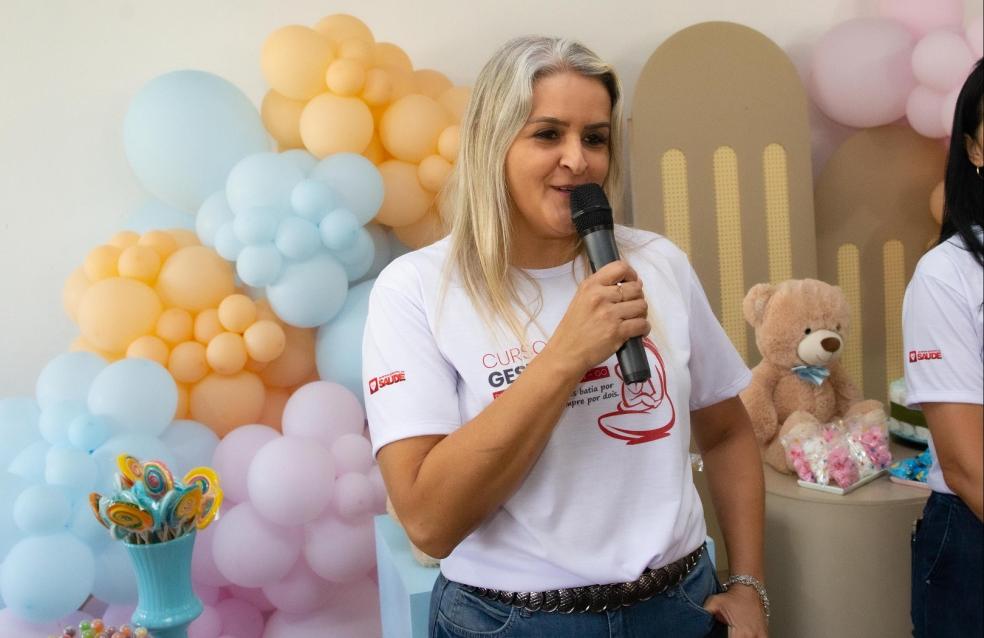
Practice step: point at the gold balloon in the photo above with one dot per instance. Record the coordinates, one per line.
(226, 353)
(187, 363)
(175, 325)
(294, 59)
(124, 239)
(207, 325)
(375, 152)
(149, 347)
(455, 101)
(389, 55)
(282, 119)
(358, 50)
(431, 83)
(346, 77)
(332, 124)
(378, 87)
(265, 340)
(404, 199)
(225, 402)
(75, 286)
(101, 263)
(195, 278)
(139, 262)
(341, 27)
(237, 312)
(433, 172)
(410, 127)
(164, 243)
(113, 312)
(448, 142)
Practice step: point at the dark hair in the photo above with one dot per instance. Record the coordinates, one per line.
(963, 185)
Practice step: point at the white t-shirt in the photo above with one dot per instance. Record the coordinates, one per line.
(943, 333)
(612, 492)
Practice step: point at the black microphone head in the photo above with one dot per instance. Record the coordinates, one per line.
(590, 208)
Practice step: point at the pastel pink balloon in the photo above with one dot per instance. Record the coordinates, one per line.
(352, 613)
(378, 488)
(942, 60)
(353, 453)
(291, 480)
(301, 591)
(234, 454)
(251, 551)
(975, 36)
(922, 16)
(208, 625)
(862, 72)
(240, 619)
(340, 551)
(253, 595)
(948, 109)
(208, 594)
(203, 568)
(923, 111)
(354, 496)
(324, 411)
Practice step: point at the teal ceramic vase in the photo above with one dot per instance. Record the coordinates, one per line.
(167, 603)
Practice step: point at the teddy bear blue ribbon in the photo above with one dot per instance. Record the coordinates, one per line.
(812, 374)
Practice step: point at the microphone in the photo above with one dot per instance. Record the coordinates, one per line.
(592, 216)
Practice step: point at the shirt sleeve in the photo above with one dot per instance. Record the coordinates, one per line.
(717, 371)
(941, 364)
(410, 389)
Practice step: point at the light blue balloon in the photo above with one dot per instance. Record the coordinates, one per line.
(338, 229)
(259, 265)
(184, 132)
(262, 180)
(84, 525)
(116, 582)
(226, 243)
(136, 395)
(19, 418)
(212, 215)
(338, 347)
(42, 509)
(357, 257)
(301, 159)
(29, 462)
(45, 578)
(355, 180)
(143, 447)
(72, 470)
(68, 376)
(309, 293)
(56, 419)
(87, 432)
(381, 252)
(257, 225)
(11, 486)
(297, 238)
(192, 443)
(156, 215)
(312, 199)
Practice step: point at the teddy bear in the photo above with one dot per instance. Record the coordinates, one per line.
(800, 328)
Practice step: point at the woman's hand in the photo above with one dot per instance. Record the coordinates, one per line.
(607, 310)
(741, 610)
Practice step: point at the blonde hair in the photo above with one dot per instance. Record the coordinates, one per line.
(477, 195)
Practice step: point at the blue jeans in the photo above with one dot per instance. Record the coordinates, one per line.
(947, 576)
(456, 613)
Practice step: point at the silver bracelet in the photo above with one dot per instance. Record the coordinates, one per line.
(754, 583)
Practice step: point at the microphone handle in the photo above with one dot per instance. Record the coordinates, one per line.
(601, 249)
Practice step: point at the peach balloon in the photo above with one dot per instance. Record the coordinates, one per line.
(332, 124)
(237, 312)
(294, 59)
(184, 237)
(431, 83)
(404, 199)
(378, 87)
(273, 409)
(149, 347)
(346, 77)
(124, 239)
(936, 201)
(79, 344)
(226, 353)
(358, 50)
(401, 81)
(225, 402)
(341, 27)
(410, 127)
(252, 365)
(175, 325)
(187, 363)
(115, 311)
(101, 262)
(433, 172)
(75, 286)
(296, 364)
(207, 325)
(195, 278)
(164, 243)
(389, 55)
(264, 311)
(282, 119)
(265, 340)
(455, 101)
(181, 412)
(375, 152)
(423, 232)
(448, 141)
(139, 262)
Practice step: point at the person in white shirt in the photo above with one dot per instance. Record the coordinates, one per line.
(560, 498)
(943, 326)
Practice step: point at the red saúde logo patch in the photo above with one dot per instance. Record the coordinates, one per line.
(378, 383)
(924, 355)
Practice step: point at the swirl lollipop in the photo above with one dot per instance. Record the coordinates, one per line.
(206, 476)
(131, 470)
(157, 479)
(209, 508)
(187, 506)
(129, 517)
(95, 501)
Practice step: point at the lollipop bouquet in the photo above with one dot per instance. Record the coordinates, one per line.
(841, 456)
(98, 629)
(156, 517)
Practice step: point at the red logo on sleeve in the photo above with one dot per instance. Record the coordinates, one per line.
(924, 355)
(378, 383)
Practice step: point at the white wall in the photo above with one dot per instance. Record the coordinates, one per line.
(69, 67)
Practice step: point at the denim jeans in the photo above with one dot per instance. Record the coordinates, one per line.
(677, 613)
(947, 575)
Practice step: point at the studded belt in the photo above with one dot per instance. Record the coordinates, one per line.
(597, 598)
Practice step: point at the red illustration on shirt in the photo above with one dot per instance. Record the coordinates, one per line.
(645, 411)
